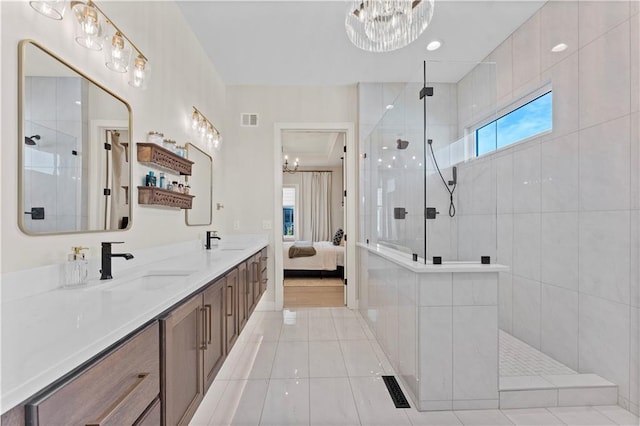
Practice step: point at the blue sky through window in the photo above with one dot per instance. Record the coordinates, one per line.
(529, 120)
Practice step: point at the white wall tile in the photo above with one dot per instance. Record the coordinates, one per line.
(526, 179)
(505, 301)
(502, 56)
(598, 17)
(635, 160)
(475, 289)
(528, 399)
(604, 255)
(559, 249)
(526, 310)
(526, 51)
(603, 98)
(559, 330)
(435, 289)
(566, 95)
(559, 173)
(526, 245)
(587, 397)
(504, 183)
(634, 274)
(604, 166)
(436, 357)
(634, 7)
(483, 188)
(634, 29)
(604, 340)
(475, 353)
(558, 24)
(634, 357)
(505, 239)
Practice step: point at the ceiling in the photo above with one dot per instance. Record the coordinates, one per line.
(313, 148)
(304, 42)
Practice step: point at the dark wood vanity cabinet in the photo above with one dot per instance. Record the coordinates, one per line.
(243, 311)
(262, 270)
(231, 309)
(119, 388)
(214, 311)
(182, 337)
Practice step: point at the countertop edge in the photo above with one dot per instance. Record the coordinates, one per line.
(421, 268)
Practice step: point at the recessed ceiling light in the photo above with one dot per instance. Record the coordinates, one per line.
(434, 45)
(385, 147)
(559, 47)
(389, 106)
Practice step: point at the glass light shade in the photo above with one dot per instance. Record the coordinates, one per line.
(88, 25)
(53, 9)
(117, 53)
(386, 25)
(195, 120)
(139, 73)
(203, 127)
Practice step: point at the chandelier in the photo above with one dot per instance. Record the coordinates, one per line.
(386, 25)
(285, 166)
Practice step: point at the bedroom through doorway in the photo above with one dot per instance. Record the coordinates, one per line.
(313, 218)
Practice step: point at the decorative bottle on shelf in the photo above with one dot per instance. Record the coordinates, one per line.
(76, 269)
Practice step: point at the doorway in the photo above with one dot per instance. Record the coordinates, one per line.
(319, 271)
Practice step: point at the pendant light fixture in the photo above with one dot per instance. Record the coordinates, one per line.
(205, 127)
(386, 25)
(53, 9)
(117, 53)
(88, 26)
(91, 26)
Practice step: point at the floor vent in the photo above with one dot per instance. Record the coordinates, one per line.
(396, 393)
(248, 120)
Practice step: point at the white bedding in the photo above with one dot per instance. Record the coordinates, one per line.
(328, 257)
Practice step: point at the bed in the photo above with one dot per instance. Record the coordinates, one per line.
(328, 261)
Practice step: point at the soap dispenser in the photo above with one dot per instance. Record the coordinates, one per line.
(77, 270)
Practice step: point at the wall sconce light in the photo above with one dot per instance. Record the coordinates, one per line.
(205, 127)
(285, 166)
(91, 26)
(53, 9)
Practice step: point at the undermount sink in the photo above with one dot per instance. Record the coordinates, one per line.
(148, 281)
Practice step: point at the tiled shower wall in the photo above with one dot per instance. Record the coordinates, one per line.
(54, 109)
(567, 204)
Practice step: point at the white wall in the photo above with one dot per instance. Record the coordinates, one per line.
(182, 76)
(567, 203)
(247, 187)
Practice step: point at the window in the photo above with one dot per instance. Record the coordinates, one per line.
(528, 120)
(289, 212)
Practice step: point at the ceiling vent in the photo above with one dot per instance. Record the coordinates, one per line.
(248, 120)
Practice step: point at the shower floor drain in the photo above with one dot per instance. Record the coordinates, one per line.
(396, 393)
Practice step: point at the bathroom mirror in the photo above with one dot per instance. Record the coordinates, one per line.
(201, 183)
(74, 151)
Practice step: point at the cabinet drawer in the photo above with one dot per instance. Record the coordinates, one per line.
(115, 390)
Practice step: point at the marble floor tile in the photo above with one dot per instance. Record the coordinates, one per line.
(331, 402)
(581, 416)
(375, 407)
(326, 360)
(291, 360)
(532, 417)
(482, 418)
(241, 403)
(286, 403)
(360, 358)
(322, 328)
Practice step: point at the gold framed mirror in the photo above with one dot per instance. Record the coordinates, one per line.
(201, 183)
(74, 151)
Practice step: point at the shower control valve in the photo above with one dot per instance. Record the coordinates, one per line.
(430, 213)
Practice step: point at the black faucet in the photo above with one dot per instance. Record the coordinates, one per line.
(211, 235)
(105, 272)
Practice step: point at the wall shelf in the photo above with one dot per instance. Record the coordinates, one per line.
(154, 155)
(162, 197)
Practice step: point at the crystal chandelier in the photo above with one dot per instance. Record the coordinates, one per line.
(386, 25)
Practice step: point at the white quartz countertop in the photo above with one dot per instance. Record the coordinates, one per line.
(47, 335)
(404, 260)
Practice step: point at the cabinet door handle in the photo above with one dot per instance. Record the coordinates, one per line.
(209, 323)
(119, 402)
(230, 291)
(204, 329)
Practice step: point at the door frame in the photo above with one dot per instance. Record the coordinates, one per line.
(350, 165)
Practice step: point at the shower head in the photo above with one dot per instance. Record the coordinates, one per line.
(29, 140)
(400, 144)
